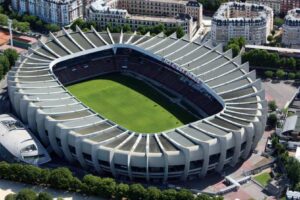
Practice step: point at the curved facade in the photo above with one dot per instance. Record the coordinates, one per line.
(74, 131)
(291, 28)
(233, 19)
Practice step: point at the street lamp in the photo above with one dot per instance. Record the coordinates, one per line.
(10, 32)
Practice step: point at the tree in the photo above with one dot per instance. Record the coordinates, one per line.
(21, 26)
(3, 19)
(235, 49)
(179, 32)
(273, 32)
(270, 38)
(291, 63)
(278, 21)
(169, 194)
(136, 192)
(106, 187)
(158, 29)
(5, 63)
(153, 193)
(79, 22)
(52, 27)
(126, 28)
(269, 74)
(142, 30)
(280, 73)
(184, 194)
(298, 75)
(1, 75)
(44, 196)
(272, 105)
(10, 197)
(297, 187)
(60, 178)
(12, 55)
(293, 168)
(272, 120)
(291, 75)
(122, 191)
(26, 194)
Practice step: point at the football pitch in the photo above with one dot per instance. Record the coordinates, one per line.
(130, 103)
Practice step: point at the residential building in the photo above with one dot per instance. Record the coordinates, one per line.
(274, 4)
(287, 5)
(187, 14)
(60, 12)
(291, 28)
(251, 21)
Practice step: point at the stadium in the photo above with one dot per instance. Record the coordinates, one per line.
(206, 110)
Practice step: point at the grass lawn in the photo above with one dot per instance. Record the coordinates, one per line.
(263, 178)
(131, 103)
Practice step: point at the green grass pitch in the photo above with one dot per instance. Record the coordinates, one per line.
(130, 103)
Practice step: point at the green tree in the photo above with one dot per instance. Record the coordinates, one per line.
(12, 55)
(158, 29)
(278, 21)
(272, 120)
(79, 22)
(91, 183)
(272, 105)
(270, 38)
(184, 194)
(107, 187)
(298, 75)
(142, 30)
(168, 194)
(44, 196)
(273, 32)
(1, 75)
(60, 178)
(26, 194)
(153, 193)
(280, 73)
(126, 28)
(10, 197)
(291, 63)
(179, 32)
(293, 168)
(5, 63)
(3, 20)
(136, 192)
(269, 74)
(235, 49)
(122, 191)
(52, 27)
(291, 75)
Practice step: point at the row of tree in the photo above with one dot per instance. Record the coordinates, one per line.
(262, 58)
(62, 178)
(7, 60)
(85, 26)
(27, 194)
(25, 22)
(282, 74)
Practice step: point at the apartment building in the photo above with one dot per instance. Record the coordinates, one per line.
(173, 13)
(60, 12)
(291, 28)
(287, 5)
(252, 21)
(274, 4)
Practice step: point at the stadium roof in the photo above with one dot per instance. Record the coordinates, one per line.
(231, 81)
